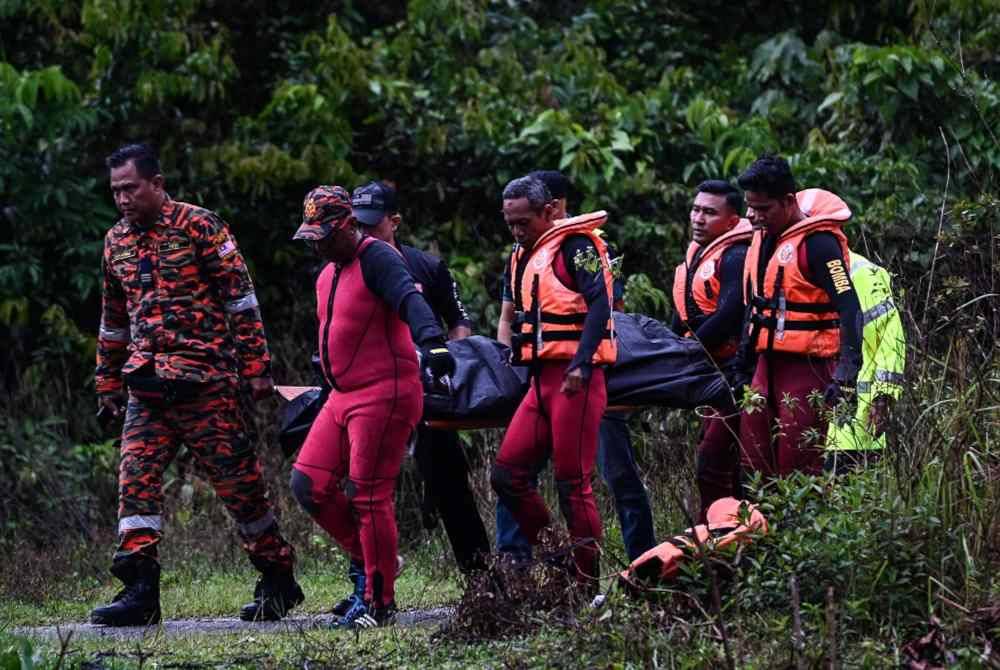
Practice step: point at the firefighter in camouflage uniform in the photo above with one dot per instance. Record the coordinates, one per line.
(180, 328)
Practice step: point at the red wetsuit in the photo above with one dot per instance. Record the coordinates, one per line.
(345, 474)
(549, 422)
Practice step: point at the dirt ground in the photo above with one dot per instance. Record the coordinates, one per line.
(222, 625)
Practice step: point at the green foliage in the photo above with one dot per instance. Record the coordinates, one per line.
(893, 106)
(17, 653)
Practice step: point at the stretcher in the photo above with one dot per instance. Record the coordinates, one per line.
(655, 367)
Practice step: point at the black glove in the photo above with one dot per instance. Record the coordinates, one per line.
(842, 387)
(437, 360)
(738, 382)
(738, 376)
(841, 393)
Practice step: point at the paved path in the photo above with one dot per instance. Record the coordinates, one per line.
(210, 626)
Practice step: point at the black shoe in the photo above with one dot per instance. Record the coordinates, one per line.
(377, 617)
(276, 592)
(356, 574)
(138, 604)
(364, 615)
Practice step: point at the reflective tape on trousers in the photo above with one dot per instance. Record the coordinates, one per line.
(137, 521)
(248, 301)
(889, 376)
(114, 334)
(885, 376)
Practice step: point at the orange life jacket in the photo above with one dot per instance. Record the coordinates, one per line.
(724, 528)
(699, 274)
(788, 312)
(549, 315)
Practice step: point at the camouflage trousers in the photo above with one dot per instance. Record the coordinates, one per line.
(208, 421)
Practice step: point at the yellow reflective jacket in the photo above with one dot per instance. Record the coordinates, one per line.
(883, 354)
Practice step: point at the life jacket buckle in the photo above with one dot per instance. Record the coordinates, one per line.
(782, 310)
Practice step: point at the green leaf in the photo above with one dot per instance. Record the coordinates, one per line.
(831, 99)
(621, 141)
(910, 88)
(541, 124)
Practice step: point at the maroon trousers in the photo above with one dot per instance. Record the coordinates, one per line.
(565, 426)
(718, 457)
(788, 432)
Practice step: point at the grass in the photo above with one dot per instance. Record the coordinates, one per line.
(893, 566)
(890, 564)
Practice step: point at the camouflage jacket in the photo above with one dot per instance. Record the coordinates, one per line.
(178, 295)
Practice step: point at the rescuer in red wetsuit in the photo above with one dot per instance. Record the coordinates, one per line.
(345, 474)
(562, 288)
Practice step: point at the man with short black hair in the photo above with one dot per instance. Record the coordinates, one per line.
(708, 306)
(180, 327)
(438, 453)
(804, 319)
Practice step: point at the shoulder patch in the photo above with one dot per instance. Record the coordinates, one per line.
(707, 269)
(227, 248)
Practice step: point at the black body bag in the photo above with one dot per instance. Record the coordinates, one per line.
(484, 385)
(297, 418)
(656, 366)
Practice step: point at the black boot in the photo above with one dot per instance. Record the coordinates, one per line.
(276, 592)
(138, 604)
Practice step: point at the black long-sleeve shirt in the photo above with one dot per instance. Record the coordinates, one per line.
(590, 284)
(387, 276)
(726, 321)
(439, 287)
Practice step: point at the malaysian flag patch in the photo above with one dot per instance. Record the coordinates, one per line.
(227, 248)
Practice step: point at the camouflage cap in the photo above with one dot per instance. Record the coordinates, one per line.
(325, 209)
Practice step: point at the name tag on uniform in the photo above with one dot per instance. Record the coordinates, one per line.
(123, 255)
(172, 245)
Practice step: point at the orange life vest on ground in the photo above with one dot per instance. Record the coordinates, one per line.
(549, 315)
(724, 528)
(700, 276)
(788, 312)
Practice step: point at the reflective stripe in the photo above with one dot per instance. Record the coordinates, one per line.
(113, 334)
(889, 376)
(858, 264)
(864, 387)
(255, 528)
(248, 301)
(881, 309)
(137, 521)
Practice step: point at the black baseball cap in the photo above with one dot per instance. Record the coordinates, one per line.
(372, 202)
